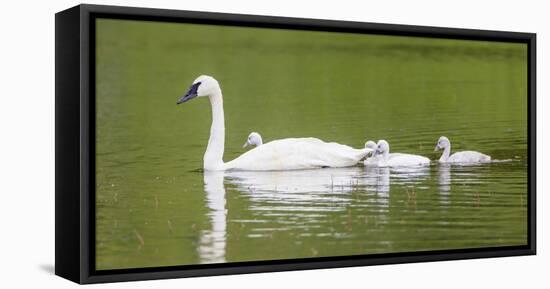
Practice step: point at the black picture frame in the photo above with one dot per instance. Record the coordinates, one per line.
(75, 143)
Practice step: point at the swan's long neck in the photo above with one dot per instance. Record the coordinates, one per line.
(446, 152)
(213, 157)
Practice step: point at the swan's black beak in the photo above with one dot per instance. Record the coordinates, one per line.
(191, 93)
(437, 148)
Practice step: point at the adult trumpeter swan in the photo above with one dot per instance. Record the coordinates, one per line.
(396, 159)
(459, 157)
(254, 139)
(283, 154)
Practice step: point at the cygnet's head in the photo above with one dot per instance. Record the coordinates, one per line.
(442, 143)
(254, 139)
(371, 145)
(382, 147)
(204, 85)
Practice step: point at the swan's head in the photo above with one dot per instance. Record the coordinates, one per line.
(370, 145)
(204, 85)
(254, 139)
(442, 143)
(382, 147)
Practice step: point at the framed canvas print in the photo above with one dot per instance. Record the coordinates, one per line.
(193, 144)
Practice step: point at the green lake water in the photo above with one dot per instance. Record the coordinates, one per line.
(156, 207)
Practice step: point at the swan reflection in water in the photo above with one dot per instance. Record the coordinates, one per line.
(464, 175)
(413, 176)
(444, 179)
(307, 190)
(212, 242)
(303, 196)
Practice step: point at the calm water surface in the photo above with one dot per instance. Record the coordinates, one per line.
(156, 207)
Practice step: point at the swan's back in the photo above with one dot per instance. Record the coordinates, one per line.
(469, 157)
(297, 153)
(405, 160)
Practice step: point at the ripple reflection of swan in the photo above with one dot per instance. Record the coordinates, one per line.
(444, 179)
(314, 189)
(414, 176)
(378, 179)
(213, 242)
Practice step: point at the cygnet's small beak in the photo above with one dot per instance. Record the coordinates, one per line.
(436, 148)
(246, 144)
(191, 93)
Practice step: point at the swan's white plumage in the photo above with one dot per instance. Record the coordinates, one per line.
(464, 157)
(295, 154)
(284, 154)
(404, 160)
(468, 157)
(383, 158)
